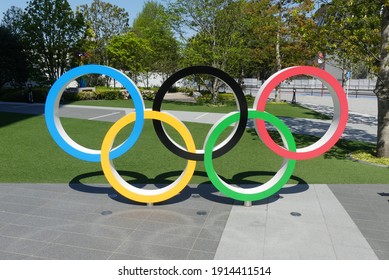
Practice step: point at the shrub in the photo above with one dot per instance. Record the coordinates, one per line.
(13, 95)
(40, 94)
(148, 94)
(109, 95)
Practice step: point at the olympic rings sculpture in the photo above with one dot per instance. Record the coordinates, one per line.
(107, 153)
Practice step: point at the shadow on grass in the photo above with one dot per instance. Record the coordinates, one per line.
(8, 118)
(340, 151)
(205, 189)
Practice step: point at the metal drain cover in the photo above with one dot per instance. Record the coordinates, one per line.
(107, 212)
(295, 214)
(201, 213)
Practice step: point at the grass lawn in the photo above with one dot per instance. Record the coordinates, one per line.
(30, 155)
(280, 110)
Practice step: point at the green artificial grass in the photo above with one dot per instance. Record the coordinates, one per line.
(29, 154)
(281, 110)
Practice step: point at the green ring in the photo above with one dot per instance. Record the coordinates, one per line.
(281, 177)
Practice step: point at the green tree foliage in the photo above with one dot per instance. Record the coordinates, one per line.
(12, 19)
(218, 35)
(282, 34)
(358, 31)
(127, 52)
(152, 25)
(13, 62)
(104, 21)
(51, 29)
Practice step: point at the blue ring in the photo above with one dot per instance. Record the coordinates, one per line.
(55, 127)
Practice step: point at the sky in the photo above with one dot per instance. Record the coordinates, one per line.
(133, 7)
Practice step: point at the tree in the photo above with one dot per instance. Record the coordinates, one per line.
(50, 29)
(105, 21)
(291, 22)
(12, 20)
(218, 34)
(358, 31)
(127, 52)
(13, 62)
(152, 25)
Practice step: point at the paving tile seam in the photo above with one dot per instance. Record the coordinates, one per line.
(266, 229)
(198, 235)
(116, 251)
(67, 245)
(25, 255)
(46, 244)
(22, 238)
(18, 225)
(325, 220)
(124, 241)
(176, 235)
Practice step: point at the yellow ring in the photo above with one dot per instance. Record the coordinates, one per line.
(130, 191)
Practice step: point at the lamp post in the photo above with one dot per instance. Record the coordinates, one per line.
(30, 96)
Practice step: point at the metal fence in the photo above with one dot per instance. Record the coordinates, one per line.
(355, 88)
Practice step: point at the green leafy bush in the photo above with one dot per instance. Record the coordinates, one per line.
(13, 95)
(109, 95)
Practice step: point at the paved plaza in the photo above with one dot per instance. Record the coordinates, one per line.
(79, 221)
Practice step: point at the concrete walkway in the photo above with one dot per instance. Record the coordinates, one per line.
(92, 221)
(360, 126)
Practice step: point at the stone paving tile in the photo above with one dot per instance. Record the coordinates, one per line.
(376, 234)
(58, 214)
(157, 238)
(16, 208)
(6, 217)
(200, 255)
(30, 192)
(72, 206)
(170, 216)
(115, 220)
(347, 236)
(371, 224)
(169, 228)
(27, 200)
(353, 253)
(152, 251)
(313, 243)
(379, 245)
(61, 188)
(382, 255)
(32, 233)
(372, 216)
(206, 245)
(44, 222)
(74, 227)
(100, 230)
(64, 252)
(13, 256)
(88, 241)
(20, 246)
(213, 233)
(117, 256)
(369, 212)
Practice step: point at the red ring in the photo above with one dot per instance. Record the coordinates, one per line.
(339, 120)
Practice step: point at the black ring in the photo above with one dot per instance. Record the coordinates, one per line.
(239, 95)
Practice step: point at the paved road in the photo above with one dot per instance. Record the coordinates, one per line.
(360, 126)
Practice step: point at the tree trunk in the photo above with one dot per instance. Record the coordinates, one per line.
(382, 89)
(383, 128)
(277, 96)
